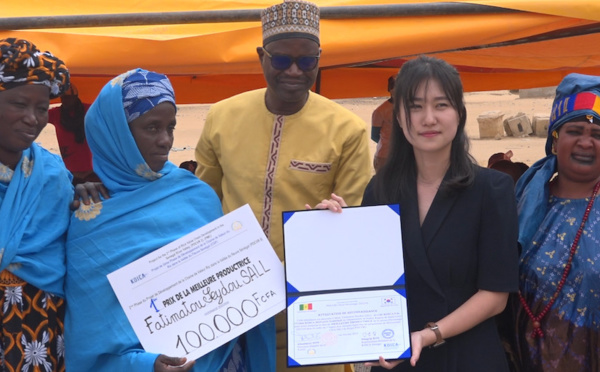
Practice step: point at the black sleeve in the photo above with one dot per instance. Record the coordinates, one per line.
(369, 195)
(498, 235)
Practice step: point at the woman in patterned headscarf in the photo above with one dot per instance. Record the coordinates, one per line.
(152, 202)
(35, 191)
(558, 322)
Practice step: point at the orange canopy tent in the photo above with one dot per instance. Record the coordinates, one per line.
(506, 44)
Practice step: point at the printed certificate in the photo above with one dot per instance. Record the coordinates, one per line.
(346, 299)
(204, 289)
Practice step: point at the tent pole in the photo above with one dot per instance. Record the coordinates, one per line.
(245, 15)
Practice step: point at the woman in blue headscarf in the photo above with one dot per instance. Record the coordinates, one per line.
(152, 202)
(35, 191)
(558, 322)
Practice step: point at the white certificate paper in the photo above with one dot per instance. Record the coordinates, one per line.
(346, 299)
(204, 289)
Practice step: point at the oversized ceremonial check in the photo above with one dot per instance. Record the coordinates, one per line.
(204, 289)
(346, 300)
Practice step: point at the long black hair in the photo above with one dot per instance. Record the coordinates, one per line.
(400, 170)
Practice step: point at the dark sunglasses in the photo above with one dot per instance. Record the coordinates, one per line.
(283, 61)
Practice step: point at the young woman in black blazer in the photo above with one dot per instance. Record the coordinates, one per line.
(459, 226)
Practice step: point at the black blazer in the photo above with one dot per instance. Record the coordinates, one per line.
(468, 241)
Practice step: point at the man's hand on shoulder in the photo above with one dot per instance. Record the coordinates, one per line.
(89, 192)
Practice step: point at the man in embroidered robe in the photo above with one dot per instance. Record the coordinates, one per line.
(283, 146)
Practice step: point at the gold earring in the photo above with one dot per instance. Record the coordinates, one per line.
(554, 152)
(555, 134)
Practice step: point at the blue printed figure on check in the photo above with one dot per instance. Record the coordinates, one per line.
(157, 278)
(459, 232)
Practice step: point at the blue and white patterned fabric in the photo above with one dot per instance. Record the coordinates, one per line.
(143, 90)
(542, 263)
(146, 211)
(34, 214)
(571, 325)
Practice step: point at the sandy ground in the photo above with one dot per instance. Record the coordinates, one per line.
(190, 120)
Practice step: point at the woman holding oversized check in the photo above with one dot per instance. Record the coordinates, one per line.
(459, 226)
(152, 202)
